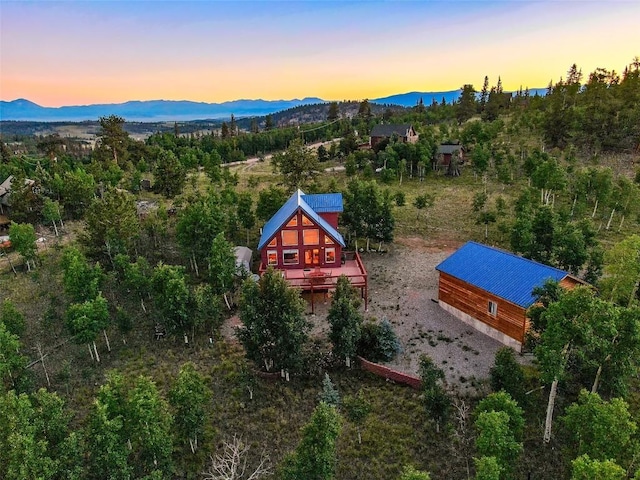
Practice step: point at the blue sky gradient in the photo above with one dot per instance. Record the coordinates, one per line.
(63, 53)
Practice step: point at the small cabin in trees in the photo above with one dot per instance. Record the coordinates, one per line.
(405, 133)
(302, 240)
(448, 155)
(491, 290)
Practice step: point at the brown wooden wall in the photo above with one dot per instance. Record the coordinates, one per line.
(510, 320)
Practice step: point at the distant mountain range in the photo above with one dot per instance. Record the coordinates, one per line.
(183, 110)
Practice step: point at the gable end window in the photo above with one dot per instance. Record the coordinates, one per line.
(293, 222)
(493, 308)
(311, 236)
(289, 237)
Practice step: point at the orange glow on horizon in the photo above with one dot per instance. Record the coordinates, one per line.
(76, 60)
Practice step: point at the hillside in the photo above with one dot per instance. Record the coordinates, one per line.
(180, 111)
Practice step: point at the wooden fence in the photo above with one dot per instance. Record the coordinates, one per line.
(390, 374)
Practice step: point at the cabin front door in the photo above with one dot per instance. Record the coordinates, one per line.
(312, 257)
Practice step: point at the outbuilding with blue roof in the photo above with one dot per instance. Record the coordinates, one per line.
(491, 289)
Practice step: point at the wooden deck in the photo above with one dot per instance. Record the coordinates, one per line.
(325, 279)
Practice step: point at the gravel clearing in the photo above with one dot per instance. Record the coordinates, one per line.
(403, 283)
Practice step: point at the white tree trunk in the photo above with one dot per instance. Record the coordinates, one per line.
(96, 352)
(11, 265)
(106, 339)
(550, 405)
(60, 218)
(595, 209)
(610, 219)
(55, 227)
(621, 223)
(44, 367)
(596, 382)
(195, 265)
(90, 351)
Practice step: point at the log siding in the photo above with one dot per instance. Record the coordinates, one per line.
(511, 319)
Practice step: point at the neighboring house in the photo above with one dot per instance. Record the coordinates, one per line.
(491, 290)
(405, 133)
(302, 240)
(5, 193)
(445, 153)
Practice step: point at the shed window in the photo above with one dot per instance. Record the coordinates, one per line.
(293, 222)
(328, 240)
(272, 257)
(289, 237)
(311, 236)
(306, 220)
(330, 255)
(290, 257)
(273, 242)
(493, 308)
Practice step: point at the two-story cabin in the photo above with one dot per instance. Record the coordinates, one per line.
(302, 240)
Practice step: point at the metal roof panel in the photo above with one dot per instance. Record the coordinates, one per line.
(324, 202)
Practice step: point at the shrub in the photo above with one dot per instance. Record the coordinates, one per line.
(506, 374)
(378, 342)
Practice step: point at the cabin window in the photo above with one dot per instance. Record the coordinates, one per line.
(311, 236)
(272, 257)
(290, 257)
(293, 222)
(306, 221)
(330, 255)
(328, 240)
(493, 308)
(289, 237)
(273, 242)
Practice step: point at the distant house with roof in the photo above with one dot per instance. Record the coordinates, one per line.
(302, 240)
(5, 192)
(405, 133)
(491, 289)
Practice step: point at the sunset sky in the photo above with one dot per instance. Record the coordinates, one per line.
(83, 52)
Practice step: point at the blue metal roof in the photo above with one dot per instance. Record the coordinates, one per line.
(287, 211)
(324, 202)
(501, 273)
